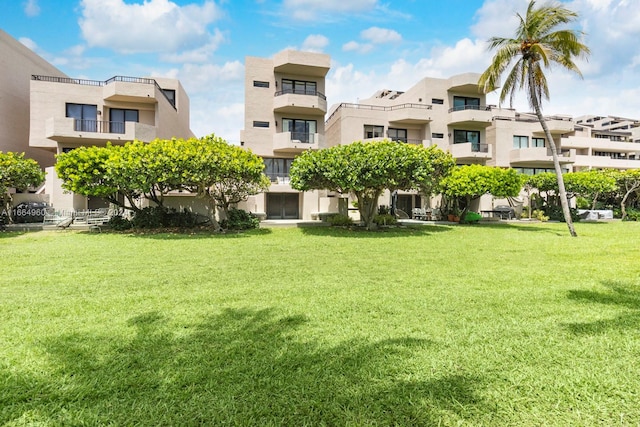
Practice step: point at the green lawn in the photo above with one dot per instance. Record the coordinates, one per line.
(437, 325)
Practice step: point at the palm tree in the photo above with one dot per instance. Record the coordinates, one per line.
(536, 45)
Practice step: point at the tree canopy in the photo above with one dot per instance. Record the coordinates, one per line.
(220, 173)
(367, 169)
(537, 44)
(19, 173)
(472, 181)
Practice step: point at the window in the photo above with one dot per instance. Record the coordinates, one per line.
(259, 124)
(277, 169)
(537, 142)
(86, 117)
(301, 130)
(437, 101)
(258, 83)
(520, 142)
(372, 131)
(299, 87)
(465, 103)
(463, 136)
(535, 171)
(171, 96)
(397, 134)
(117, 118)
(437, 135)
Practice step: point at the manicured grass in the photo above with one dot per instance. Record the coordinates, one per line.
(437, 325)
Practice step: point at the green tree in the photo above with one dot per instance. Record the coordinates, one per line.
(472, 181)
(590, 184)
(367, 169)
(18, 173)
(87, 171)
(537, 44)
(628, 182)
(221, 173)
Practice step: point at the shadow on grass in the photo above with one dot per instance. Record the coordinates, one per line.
(619, 294)
(241, 367)
(6, 234)
(361, 232)
(187, 234)
(528, 227)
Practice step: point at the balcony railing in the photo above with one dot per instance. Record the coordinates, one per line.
(302, 92)
(378, 107)
(408, 141)
(125, 79)
(304, 137)
(470, 107)
(99, 126)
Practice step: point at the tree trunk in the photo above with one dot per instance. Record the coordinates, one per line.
(367, 206)
(554, 153)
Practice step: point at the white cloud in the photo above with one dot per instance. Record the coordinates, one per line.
(315, 43)
(308, 10)
(200, 54)
(380, 35)
(354, 46)
(154, 26)
(28, 43)
(31, 8)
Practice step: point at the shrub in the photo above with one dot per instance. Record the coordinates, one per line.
(632, 215)
(385, 219)
(240, 220)
(539, 215)
(339, 220)
(158, 216)
(555, 213)
(119, 223)
(583, 203)
(472, 217)
(384, 210)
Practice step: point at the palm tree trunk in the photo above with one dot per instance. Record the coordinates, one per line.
(556, 165)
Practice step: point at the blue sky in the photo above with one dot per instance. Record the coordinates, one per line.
(374, 44)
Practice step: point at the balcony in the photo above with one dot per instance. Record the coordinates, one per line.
(296, 142)
(67, 129)
(539, 156)
(408, 114)
(470, 151)
(607, 162)
(300, 102)
(301, 63)
(600, 144)
(470, 115)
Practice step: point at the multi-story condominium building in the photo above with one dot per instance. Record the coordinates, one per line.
(285, 106)
(68, 113)
(284, 111)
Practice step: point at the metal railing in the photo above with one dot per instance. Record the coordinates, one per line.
(302, 92)
(98, 126)
(470, 107)
(125, 79)
(479, 148)
(379, 107)
(304, 137)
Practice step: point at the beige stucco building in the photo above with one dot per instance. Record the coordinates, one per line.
(450, 113)
(285, 107)
(43, 112)
(67, 113)
(17, 64)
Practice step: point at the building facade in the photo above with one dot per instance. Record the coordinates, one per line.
(450, 113)
(285, 107)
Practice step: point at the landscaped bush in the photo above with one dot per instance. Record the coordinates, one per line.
(632, 215)
(539, 215)
(385, 219)
(472, 217)
(119, 223)
(555, 213)
(339, 220)
(240, 220)
(158, 217)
